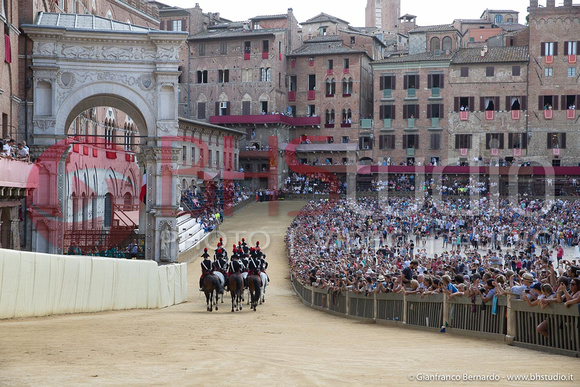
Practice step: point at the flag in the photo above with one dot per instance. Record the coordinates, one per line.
(143, 188)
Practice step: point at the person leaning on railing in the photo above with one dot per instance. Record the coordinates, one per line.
(569, 296)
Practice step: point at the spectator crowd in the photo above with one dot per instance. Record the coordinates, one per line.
(487, 249)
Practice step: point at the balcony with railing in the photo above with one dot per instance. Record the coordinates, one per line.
(387, 123)
(265, 119)
(411, 93)
(16, 174)
(435, 92)
(434, 122)
(387, 93)
(366, 123)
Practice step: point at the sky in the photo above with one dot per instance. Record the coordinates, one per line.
(428, 12)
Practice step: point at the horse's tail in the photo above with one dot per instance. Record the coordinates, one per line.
(257, 286)
(239, 283)
(218, 285)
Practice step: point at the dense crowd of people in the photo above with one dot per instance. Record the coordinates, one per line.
(488, 249)
(312, 184)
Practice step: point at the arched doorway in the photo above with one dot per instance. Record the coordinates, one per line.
(108, 213)
(5, 228)
(138, 77)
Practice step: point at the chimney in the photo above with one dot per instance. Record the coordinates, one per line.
(484, 51)
(533, 3)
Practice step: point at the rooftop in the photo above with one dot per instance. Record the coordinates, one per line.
(436, 28)
(77, 21)
(322, 17)
(511, 27)
(236, 33)
(269, 17)
(310, 48)
(473, 21)
(494, 55)
(422, 57)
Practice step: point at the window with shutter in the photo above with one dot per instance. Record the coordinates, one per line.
(246, 106)
(201, 110)
(464, 72)
(435, 141)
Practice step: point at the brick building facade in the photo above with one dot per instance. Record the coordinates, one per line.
(553, 82)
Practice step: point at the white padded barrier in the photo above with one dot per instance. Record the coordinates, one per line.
(35, 284)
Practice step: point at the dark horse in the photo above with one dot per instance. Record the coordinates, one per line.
(211, 284)
(236, 285)
(255, 286)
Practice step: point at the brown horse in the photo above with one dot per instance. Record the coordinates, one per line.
(255, 286)
(211, 284)
(236, 285)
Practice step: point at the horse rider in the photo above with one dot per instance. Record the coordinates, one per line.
(261, 257)
(253, 266)
(221, 263)
(206, 267)
(234, 252)
(235, 266)
(245, 246)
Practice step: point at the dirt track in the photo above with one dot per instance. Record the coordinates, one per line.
(283, 343)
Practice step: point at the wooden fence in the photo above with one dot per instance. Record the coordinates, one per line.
(506, 318)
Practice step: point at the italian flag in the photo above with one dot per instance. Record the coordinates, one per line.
(143, 187)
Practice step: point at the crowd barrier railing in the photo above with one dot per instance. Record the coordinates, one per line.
(505, 319)
(563, 326)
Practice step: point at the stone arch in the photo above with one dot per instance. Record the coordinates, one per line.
(127, 100)
(140, 79)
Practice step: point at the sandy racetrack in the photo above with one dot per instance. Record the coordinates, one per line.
(283, 343)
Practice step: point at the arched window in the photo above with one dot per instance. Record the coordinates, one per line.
(108, 216)
(346, 116)
(94, 211)
(435, 44)
(127, 200)
(75, 211)
(447, 44)
(330, 117)
(498, 19)
(330, 87)
(85, 211)
(347, 86)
